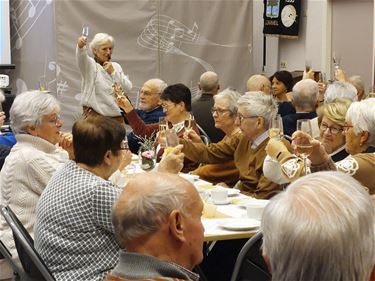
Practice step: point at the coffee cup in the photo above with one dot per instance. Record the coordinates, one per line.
(219, 195)
(255, 210)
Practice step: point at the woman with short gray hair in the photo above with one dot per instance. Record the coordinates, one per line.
(99, 76)
(224, 112)
(35, 120)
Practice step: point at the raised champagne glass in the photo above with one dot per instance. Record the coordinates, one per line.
(188, 123)
(276, 127)
(302, 145)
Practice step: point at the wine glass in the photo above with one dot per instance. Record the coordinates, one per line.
(276, 127)
(322, 77)
(163, 126)
(188, 123)
(171, 138)
(308, 64)
(85, 30)
(302, 145)
(336, 60)
(43, 84)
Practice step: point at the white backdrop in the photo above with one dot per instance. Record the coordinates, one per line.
(174, 40)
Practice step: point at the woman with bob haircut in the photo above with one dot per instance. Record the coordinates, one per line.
(282, 83)
(176, 102)
(74, 211)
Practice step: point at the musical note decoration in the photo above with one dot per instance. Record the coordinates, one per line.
(24, 15)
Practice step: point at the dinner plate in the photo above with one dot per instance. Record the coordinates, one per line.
(231, 191)
(189, 177)
(239, 224)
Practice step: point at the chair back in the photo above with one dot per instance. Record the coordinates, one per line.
(205, 138)
(31, 261)
(17, 269)
(250, 265)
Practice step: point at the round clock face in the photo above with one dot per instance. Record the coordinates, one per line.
(288, 15)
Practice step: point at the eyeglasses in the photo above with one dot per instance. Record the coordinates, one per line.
(241, 117)
(55, 120)
(167, 105)
(332, 130)
(219, 111)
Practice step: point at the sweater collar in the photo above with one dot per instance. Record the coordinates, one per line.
(134, 265)
(37, 142)
(259, 140)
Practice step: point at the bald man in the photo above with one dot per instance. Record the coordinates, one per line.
(157, 219)
(209, 86)
(149, 108)
(259, 82)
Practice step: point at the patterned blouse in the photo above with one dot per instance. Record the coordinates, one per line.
(73, 230)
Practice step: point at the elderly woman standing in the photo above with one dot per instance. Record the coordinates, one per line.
(99, 76)
(224, 113)
(247, 149)
(359, 130)
(35, 120)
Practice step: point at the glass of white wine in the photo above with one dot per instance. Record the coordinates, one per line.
(163, 126)
(336, 58)
(188, 123)
(276, 130)
(302, 146)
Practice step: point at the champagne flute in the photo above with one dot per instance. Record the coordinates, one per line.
(302, 146)
(308, 64)
(322, 77)
(188, 123)
(276, 130)
(171, 138)
(336, 60)
(43, 84)
(163, 126)
(85, 30)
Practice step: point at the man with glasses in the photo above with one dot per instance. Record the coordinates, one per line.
(247, 149)
(209, 87)
(149, 109)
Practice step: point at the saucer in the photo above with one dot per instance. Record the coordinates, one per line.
(227, 202)
(240, 224)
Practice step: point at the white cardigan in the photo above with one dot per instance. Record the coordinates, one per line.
(97, 84)
(25, 174)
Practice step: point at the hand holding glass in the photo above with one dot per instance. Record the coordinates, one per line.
(302, 146)
(188, 123)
